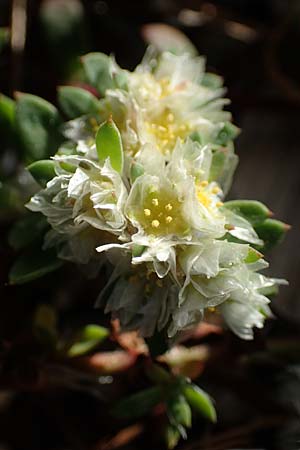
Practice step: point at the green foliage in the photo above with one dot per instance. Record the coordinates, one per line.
(272, 232)
(103, 73)
(136, 170)
(172, 436)
(42, 171)
(179, 411)
(76, 102)
(7, 113)
(253, 256)
(32, 265)
(228, 133)
(38, 124)
(88, 338)
(200, 401)
(138, 404)
(137, 250)
(217, 164)
(109, 145)
(253, 211)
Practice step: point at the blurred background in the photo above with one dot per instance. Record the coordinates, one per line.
(255, 46)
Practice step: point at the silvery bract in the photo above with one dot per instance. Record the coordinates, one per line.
(176, 254)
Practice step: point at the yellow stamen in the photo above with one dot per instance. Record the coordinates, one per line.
(204, 183)
(215, 190)
(155, 223)
(169, 219)
(218, 204)
(155, 202)
(169, 207)
(147, 212)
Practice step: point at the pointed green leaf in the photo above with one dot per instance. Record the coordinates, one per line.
(253, 211)
(200, 401)
(42, 171)
(253, 256)
(212, 81)
(87, 339)
(179, 411)
(33, 265)
(272, 232)
(172, 436)
(109, 145)
(103, 73)
(75, 101)
(38, 124)
(228, 133)
(136, 171)
(138, 404)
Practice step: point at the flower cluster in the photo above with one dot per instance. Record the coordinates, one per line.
(139, 187)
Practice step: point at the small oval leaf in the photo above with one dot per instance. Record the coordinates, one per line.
(109, 145)
(75, 101)
(200, 401)
(42, 171)
(272, 232)
(87, 339)
(179, 411)
(253, 211)
(103, 73)
(38, 124)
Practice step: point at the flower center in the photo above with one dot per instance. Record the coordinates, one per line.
(166, 130)
(161, 214)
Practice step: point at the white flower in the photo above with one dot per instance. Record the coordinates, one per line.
(84, 197)
(174, 102)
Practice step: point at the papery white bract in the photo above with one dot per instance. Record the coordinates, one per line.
(175, 252)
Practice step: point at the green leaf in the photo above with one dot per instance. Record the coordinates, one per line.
(136, 170)
(200, 401)
(27, 230)
(87, 339)
(172, 436)
(253, 256)
(212, 81)
(179, 411)
(138, 404)
(227, 133)
(196, 137)
(217, 165)
(7, 112)
(75, 101)
(33, 265)
(272, 232)
(38, 123)
(253, 211)
(103, 73)
(109, 145)
(42, 171)
(137, 250)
